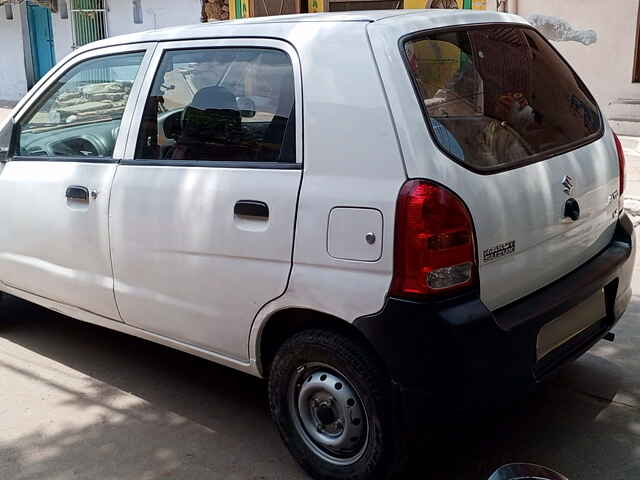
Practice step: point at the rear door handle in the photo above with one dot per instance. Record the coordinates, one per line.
(77, 192)
(251, 208)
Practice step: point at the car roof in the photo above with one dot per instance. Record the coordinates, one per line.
(281, 25)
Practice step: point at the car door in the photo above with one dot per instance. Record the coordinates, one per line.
(54, 188)
(203, 207)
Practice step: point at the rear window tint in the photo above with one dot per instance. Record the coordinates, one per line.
(498, 96)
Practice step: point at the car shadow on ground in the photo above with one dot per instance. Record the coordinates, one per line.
(194, 420)
(200, 420)
(577, 422)
(553, 426)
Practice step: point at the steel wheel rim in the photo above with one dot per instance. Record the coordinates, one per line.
(328, 413)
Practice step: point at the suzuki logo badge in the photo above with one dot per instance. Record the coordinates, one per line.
(567, 183)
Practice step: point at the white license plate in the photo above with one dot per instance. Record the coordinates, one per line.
(571, 323)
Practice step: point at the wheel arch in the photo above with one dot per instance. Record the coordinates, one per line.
(282, 324)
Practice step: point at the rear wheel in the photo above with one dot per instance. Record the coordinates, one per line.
(330, 402)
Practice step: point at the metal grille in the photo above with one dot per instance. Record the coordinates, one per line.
(88, 21)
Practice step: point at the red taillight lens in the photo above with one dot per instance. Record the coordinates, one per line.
(621, 162)
(435, 249)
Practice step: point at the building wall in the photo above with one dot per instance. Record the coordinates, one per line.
(156, 14)
(606, 66)
(13, 81)
(62, 36)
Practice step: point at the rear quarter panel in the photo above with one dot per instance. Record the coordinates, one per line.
(351, 159)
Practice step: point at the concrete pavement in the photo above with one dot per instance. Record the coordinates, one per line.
(82, 402)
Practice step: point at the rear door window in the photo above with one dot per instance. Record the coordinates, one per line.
(220, 105)
(496, 97)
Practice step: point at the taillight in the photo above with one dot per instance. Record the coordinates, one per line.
(435, 250)
(621, 163)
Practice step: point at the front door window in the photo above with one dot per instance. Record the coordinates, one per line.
(80, 115)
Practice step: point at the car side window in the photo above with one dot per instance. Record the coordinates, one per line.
(220, 105)
(80, 114)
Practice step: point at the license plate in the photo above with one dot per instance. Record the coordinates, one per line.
(571, 323)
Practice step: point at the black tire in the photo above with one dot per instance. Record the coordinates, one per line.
(348, 359)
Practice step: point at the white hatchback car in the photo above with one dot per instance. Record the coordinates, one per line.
(377, 211)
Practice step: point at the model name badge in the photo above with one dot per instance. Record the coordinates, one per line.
(501, 250)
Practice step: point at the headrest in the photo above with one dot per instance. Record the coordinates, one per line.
(214, 98)
(212, 116)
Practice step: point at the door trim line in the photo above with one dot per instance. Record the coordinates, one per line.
(5, 287)
(213, 164)
(43, 158)
(99, 320)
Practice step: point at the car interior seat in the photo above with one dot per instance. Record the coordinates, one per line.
(211, 128)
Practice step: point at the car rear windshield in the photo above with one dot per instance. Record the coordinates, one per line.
(499, 96)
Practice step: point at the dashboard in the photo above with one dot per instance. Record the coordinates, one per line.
(91, 140)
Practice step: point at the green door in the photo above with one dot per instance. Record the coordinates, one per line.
(41, 39)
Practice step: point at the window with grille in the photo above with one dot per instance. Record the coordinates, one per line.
(88, 20)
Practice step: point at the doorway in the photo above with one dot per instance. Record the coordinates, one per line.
(41, 39)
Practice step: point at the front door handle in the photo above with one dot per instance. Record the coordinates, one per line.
(251, 208)
(77, 192)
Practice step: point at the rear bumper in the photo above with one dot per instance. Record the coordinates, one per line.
(457, 353)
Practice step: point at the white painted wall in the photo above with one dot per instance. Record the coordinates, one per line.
(156, 14)
(62, 36)
(606, 66)
(13, 81)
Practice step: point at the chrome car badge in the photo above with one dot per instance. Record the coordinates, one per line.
(568, 184)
